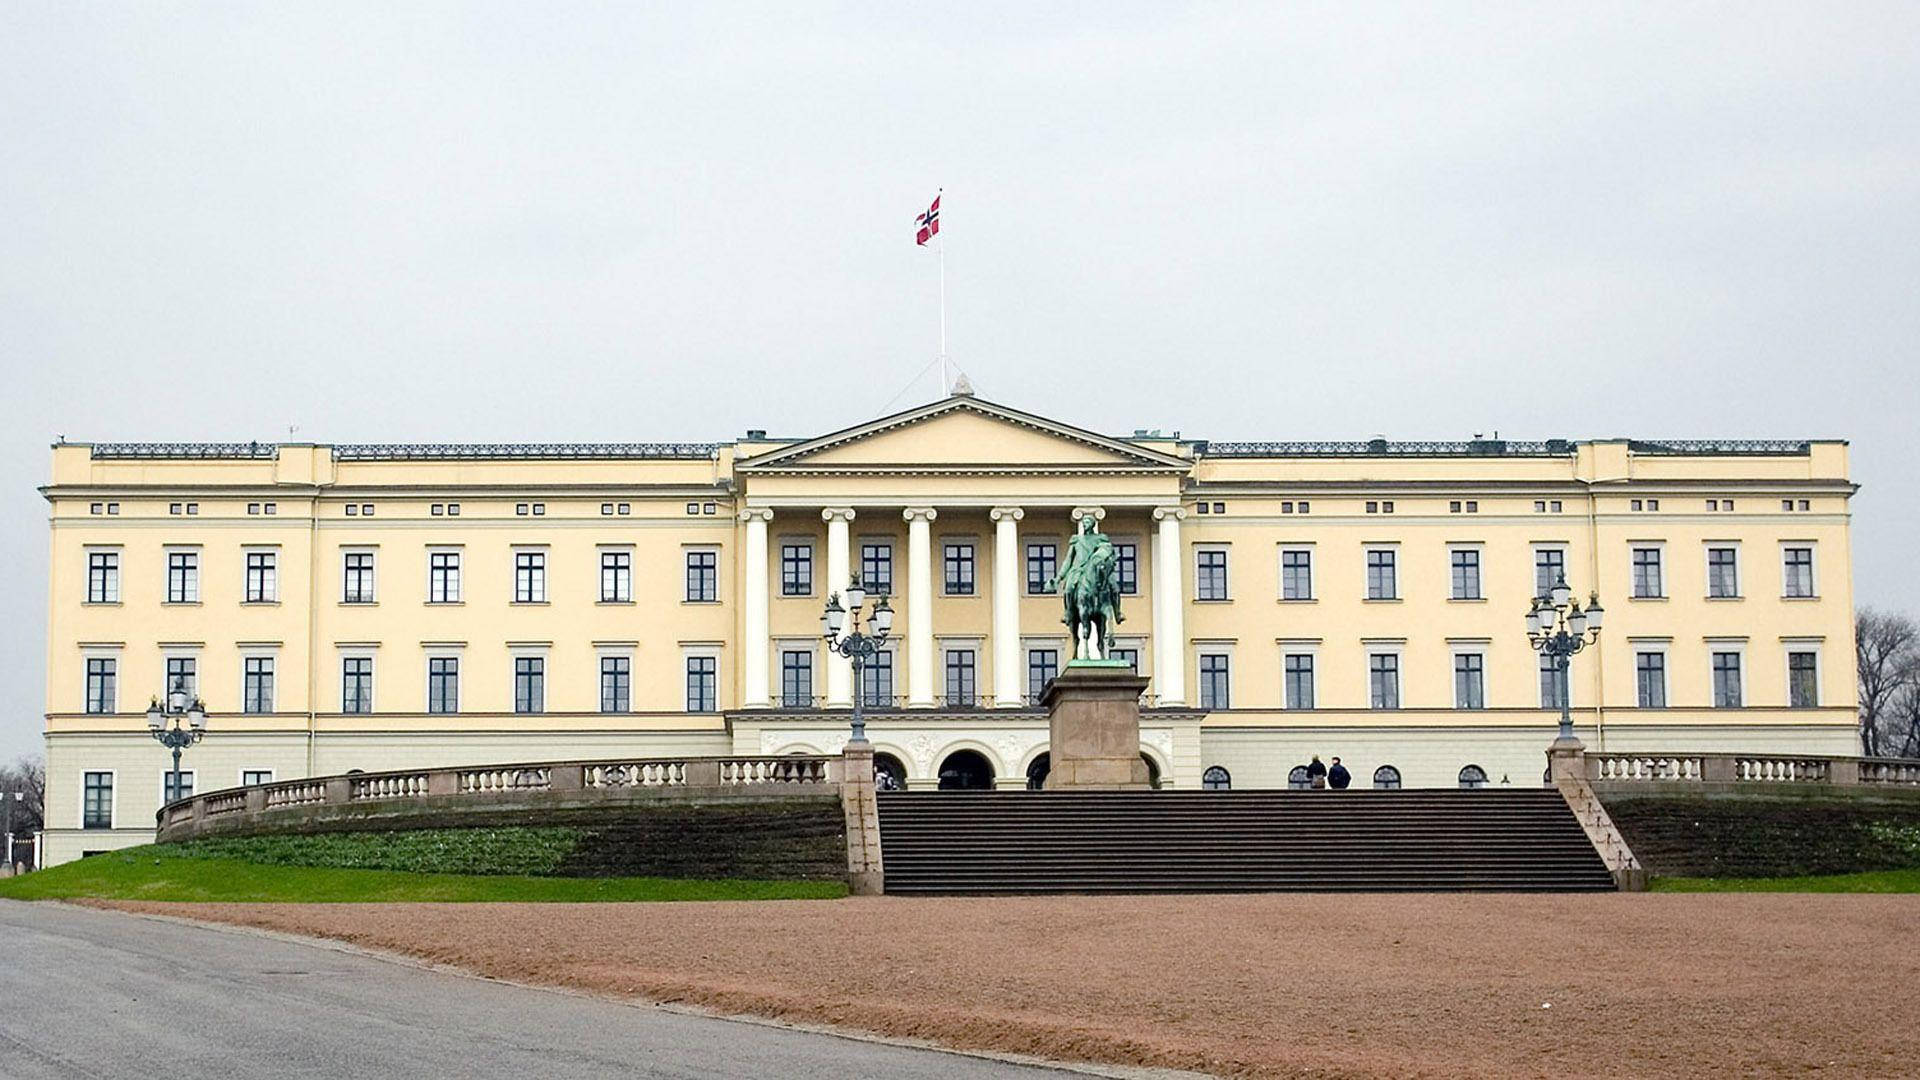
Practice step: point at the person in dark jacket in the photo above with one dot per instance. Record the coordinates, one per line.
(1338, 777)
(1317, 772)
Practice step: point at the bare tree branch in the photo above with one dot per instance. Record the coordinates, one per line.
(1887, 646)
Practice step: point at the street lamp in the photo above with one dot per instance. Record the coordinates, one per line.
(840, 626)
(179, 706)
(1558, 627)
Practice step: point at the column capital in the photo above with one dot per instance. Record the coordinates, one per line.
(913, 513)
(1177, 513)
(999, 513)
(1099, 513)
(837, 513)
(756, 513)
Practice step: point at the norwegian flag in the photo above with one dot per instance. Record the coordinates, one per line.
(928, 223)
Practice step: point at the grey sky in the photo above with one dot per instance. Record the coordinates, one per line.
(552, 221)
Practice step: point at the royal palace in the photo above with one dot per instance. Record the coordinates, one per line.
(369, 607)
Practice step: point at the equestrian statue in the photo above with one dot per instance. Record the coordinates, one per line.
(1089, 584)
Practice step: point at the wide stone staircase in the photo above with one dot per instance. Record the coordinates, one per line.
(954, 842)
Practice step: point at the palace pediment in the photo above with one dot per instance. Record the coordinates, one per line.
(963, 434)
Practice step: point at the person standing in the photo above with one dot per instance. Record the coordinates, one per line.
(1317, 772)
(1338, 777)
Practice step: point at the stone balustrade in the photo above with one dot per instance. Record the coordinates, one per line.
(1630, 769)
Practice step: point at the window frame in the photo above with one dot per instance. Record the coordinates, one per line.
(1634, 550)
(886, 655)
(617, 560)
(1029, 548)
(970, 671)
(260, 580)
(1391, 566)
(1560, 548)
(1305, 551)
(349, 573)
(1791, 647)
(1299, 650)
(1126, 567)
(702, 560)
(1716, 650)
(367, 698)
(1028, 649)
(1211, 583)
(189, 574)
(796, 567)
(1222, 699)
(967, 581)
(252, 698)
(710, 659)
(530, 574)
(788, 699)
(450, 680)
(875, 553)
(447, 580)
(110, 683)
(108, 575)
(112, 799)
(1709, 547)
(622, 677)
(1640, 699)
(166, 776)
(1787, 548)
(1477, 653)
(1398, 671)
(1475, 554)
(529, 683)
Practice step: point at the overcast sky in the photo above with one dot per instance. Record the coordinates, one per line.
(548, 221)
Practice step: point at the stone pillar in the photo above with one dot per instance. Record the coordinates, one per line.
(1008, 672)
(920, 605)
(858, 798)
(754, 646)
(839, 572)
(1170, 632)
(1093, 722)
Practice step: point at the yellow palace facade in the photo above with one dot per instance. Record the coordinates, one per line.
(386, 606)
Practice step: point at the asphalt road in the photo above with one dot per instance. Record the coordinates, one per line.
(103, 994)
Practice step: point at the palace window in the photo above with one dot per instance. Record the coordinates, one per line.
(1466, 574)
(103, 577)
(183, 672)
(263, 586)
(876, 568)
(1723, 572)
(1127, 568)
(1042, 666)
(175, 786)
(703, 686)
(1216, 779)
(529, 684)
(1549, 567)
(443, 684)
(1648, 581)
(1383, 681)
(257, 684)
(1473, 776)
(102, 674)
(703, 578)
(796, 679)
(443, 577)
(796, 569)
(616, 684)
(251, 777)
(1797, 565)
(96, 801)
(1650, 670)
(1131, 657)
(1726, 680)
(1043, 562)
(616, 578)
(957, 558)
(356, 568)
(1210, 574)
(1469, 681)
(961, 679)
(876, 680)
(1803, 680)
(356, 684)
(1386, 778)
(183, 577)
(1215, 681)
(1382, 583)
(530, 577)
(1553, 683)
(1296, 575)
(1299, 680)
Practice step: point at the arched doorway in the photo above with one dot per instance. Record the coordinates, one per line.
(966, 770)
(888, 773)
(1037, 771)
(1153, 772)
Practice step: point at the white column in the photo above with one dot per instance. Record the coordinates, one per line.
(920, 605)
(1170, 633)
(839, 669)
(1159, 623)
(755, 690)
(1009, 674)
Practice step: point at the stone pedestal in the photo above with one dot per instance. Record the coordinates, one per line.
(866, 874)
(1093, 720)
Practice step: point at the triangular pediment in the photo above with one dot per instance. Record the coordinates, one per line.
(964, 432)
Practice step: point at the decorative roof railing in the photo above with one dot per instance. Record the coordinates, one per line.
(1714, 447)
(519, 451)
(246, 451)
(1385, 448)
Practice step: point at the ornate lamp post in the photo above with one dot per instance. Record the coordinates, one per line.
(178, 708)
(1558, 627)
(840, 626)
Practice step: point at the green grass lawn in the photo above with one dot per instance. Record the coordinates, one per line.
(138, 874)
(1876, 881)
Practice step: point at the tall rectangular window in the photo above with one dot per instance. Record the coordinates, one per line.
(96, 805)
(1553, 684)
(1299, 680)
(443, 684)
(958, 561)
(1726, 680)
(1127, 567)
(1215, 682)
(529, 577)
(616, 684)
(102, 693)
(1382, 582)
(356, 684)
(703, 685)
(356, 569)
(876, 568)
(175, 786)
(1466, 575)
(1383, 681)
(1469, 681)
(263, 585)
(1650, 670)
(703, 577)
(1549, 567)
(796, 679)
(103, 577)
(1803, 680)
(183, 672)
(443, 577)
(796, 569)
(616, 578)
(529, 684)
(257, 684)
(960, 679)
(876, 680)
(1647, 579)
(1042, 666)
(1209, 574)
(1723, 572)
(183, 577)
(1043, 562)
(1296, 575)
(1797, 565)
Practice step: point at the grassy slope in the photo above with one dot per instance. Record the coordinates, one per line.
(136, 874)
(1876, 881)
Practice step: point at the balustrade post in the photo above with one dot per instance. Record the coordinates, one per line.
(339, 789)
(1843, 771)
(703, 773)
(1718, 768)
(256, 800)
(443, 782)
(570, 777)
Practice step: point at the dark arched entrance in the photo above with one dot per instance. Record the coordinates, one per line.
(1037, 772)
(888, 773)
(966, 770)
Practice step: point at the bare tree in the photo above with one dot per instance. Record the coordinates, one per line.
(26, 776)
(1888, 648)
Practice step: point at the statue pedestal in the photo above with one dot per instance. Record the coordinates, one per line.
(1093, 718)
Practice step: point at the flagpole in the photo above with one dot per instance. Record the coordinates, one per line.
(945, 384)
